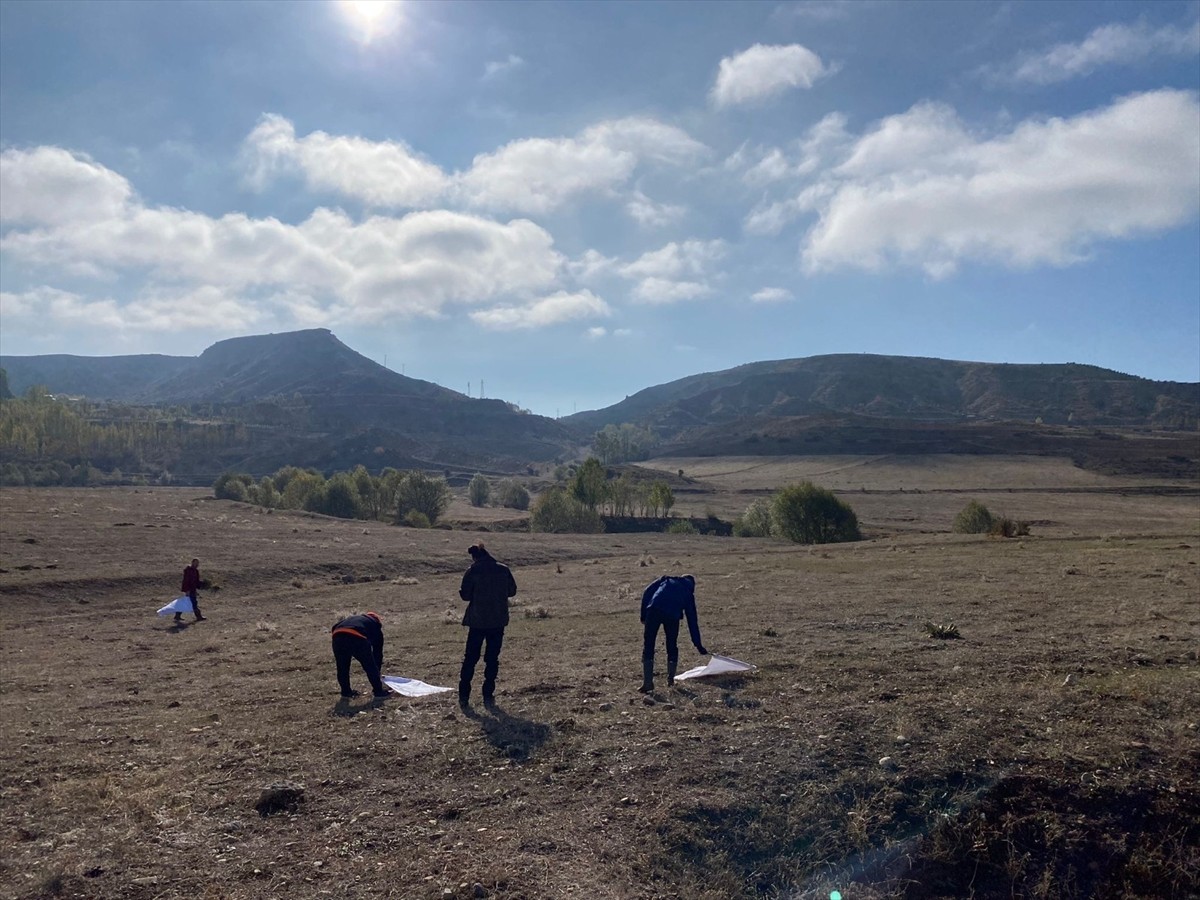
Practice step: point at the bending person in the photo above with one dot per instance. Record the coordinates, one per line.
(359, 637)
(664, 603)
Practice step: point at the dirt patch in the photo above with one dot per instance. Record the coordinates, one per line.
(862, 756)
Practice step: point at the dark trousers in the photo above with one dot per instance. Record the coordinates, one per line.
(491, 660)
(670, 627)
(347, 647)
(195, 607)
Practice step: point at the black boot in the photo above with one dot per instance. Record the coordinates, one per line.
(647, 676)
(672, 664)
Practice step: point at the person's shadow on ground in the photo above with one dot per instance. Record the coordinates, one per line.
(348, 708)
(517, 738)
(179, 626)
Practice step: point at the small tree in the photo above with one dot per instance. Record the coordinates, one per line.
(479, 490)
(512, 495)
(974, 518)
(428, 494)
(341, 497)
(558, 512)
(233, 486)
(807, 514)
(661, 496)
(589, 485)
(755, 521)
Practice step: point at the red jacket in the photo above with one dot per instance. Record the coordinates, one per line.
(191, 579)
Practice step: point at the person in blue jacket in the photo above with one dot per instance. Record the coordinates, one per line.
(664, 604)
(359, 637)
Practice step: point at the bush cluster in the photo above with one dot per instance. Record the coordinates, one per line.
(803, 513)
(348, 495)
(558, 512)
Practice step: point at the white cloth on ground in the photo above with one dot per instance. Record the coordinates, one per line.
(178, 605)
(411, 687)
(717, 665)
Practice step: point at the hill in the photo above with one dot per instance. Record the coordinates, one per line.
(311, 401)
(905, 388)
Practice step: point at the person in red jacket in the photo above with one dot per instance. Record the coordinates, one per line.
(191, 584)
(361, 638)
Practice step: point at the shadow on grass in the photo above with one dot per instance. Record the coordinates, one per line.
(179, 626)
(346, 709)
(517, 738)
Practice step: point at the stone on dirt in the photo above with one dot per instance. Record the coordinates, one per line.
(279, 796)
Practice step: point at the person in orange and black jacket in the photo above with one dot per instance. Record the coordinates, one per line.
(191, 584)
(664, 603)
(486, 587)
(359, 637)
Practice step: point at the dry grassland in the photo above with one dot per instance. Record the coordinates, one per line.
(1050, 752)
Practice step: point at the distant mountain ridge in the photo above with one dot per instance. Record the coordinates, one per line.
(907, 388)
(311, 400)
(333, 406)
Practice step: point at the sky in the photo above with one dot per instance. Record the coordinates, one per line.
(561, 204)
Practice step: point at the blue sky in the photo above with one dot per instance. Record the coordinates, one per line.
(574, 201)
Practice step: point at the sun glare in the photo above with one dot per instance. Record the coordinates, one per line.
(370, 19)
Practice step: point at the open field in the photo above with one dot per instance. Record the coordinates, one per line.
(1052, 751)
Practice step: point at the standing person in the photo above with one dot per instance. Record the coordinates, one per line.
(664, 603)
(359, 637)
(486, 587)
(191, 584)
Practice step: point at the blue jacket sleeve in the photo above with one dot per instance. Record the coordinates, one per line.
(689, 610)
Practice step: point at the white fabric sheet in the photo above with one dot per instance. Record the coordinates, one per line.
(717, 665)
(410, 687)
(179, 604)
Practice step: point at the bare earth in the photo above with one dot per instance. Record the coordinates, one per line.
(1052, 751)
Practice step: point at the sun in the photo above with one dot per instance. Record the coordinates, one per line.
(370, 19)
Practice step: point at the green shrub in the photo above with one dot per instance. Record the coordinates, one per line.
(974, 518)
(683, 526)
(414, 518)
(512, 495)
(428, 494)
(807, 514)
(233, 486)
(479, 490)
(755, 521)
(558, 512)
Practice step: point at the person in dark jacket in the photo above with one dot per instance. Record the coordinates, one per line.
(359, 637)
(664, 603)
(191, 584)
(486, 587)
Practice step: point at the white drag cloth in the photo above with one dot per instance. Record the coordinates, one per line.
(410, 687)
(718, 665)
(178, 605)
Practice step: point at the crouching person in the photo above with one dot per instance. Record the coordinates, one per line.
(664, 604)
(359, 637)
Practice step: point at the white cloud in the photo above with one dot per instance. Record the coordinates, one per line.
(674, 272)
(771, 295)
(153, 311)
(496, 68)
(664, 290)
(379, 173)
(649, 214)
(591, 265)
(198, 268)
(553, 310)
(538, 175)
(49, 186)
(532, 175)
(922, 190)
(676, 259)
(1108, 45)
(763, 71)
